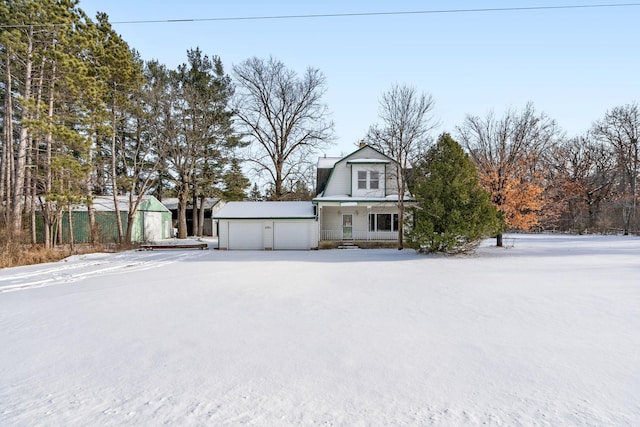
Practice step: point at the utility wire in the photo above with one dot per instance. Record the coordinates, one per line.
(355, 14)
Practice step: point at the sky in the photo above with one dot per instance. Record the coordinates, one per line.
(573, 64)
(542, 332)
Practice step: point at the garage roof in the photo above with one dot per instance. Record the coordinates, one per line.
(266, 210)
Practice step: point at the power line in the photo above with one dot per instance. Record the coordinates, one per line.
(355, 14)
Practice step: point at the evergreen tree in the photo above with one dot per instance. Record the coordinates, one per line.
(255, 195)
(453, 211)
(235, 183)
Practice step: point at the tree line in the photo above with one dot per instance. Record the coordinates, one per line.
(83, 115)
(536, 177)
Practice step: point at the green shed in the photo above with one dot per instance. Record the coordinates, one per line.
(152, 221)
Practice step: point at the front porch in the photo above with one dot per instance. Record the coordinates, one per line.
(357, 235)
(361, 224)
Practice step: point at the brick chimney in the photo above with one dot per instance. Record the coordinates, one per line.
(362, 143)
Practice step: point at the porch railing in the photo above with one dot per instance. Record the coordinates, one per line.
(358, 235)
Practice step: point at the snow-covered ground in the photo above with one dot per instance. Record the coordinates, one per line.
(543, 332)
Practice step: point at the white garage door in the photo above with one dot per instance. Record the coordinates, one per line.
(246, 235)
(291, 235)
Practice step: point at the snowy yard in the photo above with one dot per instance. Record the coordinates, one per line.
(545, 332)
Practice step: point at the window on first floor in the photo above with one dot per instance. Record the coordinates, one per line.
(383, 222)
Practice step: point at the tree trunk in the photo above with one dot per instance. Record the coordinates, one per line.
(499, 240)
(93, 230)
(114, 177)
(129, 234)
(33, 157)
(201, 217)
(72, 245)
(46, 224)
(195, 226)
(48, 216)
(401, 190)
(20, 164)
(7, 151)
(182, 213)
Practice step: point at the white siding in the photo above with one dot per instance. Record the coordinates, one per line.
(341, 182)
(367, 169)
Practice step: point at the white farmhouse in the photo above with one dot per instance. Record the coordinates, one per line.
(356, 204)
(357, 199)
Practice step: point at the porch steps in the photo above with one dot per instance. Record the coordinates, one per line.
(348, 245)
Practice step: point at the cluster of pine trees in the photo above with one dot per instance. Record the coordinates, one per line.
(83, 115)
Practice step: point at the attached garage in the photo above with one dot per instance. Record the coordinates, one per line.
(246, 235)
(291, 235)
(267, 226)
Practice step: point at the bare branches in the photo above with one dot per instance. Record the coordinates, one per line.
(284, 116)
(620, 129)
(407, 119)
(404, 135)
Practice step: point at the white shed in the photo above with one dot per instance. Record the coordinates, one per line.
(267, 226)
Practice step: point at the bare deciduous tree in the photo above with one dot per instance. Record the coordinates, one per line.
(621, 129)
(284, 116)
(580, 173)
(403, 135)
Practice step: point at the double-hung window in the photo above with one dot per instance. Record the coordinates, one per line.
(374, 180)
(362, 180)
(368, 180)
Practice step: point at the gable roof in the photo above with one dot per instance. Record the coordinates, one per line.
(266, 210)
(326, 178)
(148, 203)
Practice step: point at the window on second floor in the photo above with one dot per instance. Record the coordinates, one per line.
(362, 180)
(368, 180)
(374, 180)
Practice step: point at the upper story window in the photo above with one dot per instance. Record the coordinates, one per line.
(362, 180)
(368, 180)
(374, 180)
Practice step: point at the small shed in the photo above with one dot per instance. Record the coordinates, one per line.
(151, 222)
(267, 226)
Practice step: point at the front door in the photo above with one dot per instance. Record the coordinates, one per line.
(347, 226)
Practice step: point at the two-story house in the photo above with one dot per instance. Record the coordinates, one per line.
(357, 202)
(357, 198)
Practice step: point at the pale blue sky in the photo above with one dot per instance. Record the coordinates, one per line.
(573, 64)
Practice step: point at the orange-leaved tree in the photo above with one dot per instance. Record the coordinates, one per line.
(506, 152)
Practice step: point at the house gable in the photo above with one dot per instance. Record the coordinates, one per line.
(365, 173)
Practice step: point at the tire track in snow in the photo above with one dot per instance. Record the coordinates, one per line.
(73, 271)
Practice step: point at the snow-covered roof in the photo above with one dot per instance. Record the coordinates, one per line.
(368, 161)
(263, 210)
(327, 162)
(172, 202)
(348, 198)
(105, 204)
